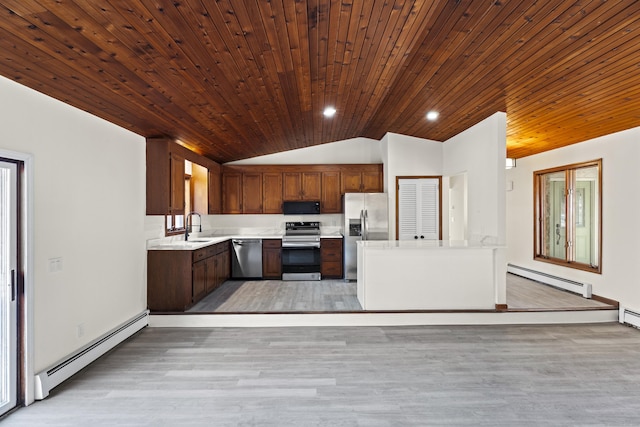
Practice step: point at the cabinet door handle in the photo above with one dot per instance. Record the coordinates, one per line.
(415, 237)
(422, 237)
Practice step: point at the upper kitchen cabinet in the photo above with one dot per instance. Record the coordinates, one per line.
(166, 190)
(331, 200)
(215, 191)
(252, 193)
(176, 182)
(272, 192)
(361, 179)
(159, 198)
(263, 188)
(232, 193)
(302, 185)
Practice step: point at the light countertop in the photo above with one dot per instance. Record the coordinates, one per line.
(427, 244)
(177, 243)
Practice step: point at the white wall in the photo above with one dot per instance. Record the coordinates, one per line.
(355, 150)
(620, 153)
(480, 152)
(457, 218)
(89, 203)
(408, 156)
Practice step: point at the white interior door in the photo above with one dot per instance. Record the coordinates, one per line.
(418, 209)
(8, 286)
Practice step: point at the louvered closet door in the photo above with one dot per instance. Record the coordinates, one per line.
(418, 209)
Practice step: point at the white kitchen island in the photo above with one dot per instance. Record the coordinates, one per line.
(429, 275)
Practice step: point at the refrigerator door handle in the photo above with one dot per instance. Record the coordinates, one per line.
(365, 225)
(362, 226)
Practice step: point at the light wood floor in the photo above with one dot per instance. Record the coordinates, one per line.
(562, 375)
(523, 293)
(266, 296)
(280, 296)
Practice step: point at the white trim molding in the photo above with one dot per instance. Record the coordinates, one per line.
(64, 369)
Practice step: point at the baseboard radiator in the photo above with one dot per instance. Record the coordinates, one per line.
(583, 289)
(629, 317)
(46, 380)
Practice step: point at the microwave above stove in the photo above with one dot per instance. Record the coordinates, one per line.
(301, 207)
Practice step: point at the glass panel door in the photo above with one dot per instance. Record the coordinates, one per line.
(554, 215)
(585, 223)
(8, 286)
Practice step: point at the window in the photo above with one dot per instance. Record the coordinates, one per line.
(568, 215)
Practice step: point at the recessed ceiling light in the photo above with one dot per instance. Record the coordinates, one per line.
(432, 115)
(329, 112)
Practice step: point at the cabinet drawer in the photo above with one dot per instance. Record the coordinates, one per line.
(211, 250)
(331, 255)
(199, 254)
(331, 269)
(334, 245)
(271, 244)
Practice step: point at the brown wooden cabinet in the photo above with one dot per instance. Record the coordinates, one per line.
(232, 193)
(357, 179)
(331, 258)
(220, 259)
(169, 280)
(176, 187)
(165, 179)
(302, 185)
(223, 263)
(331, 200)
(177, 279)
(200, 278)
(272, 192)
(325, 183)
(252, 193)
(272, 258)
(372, 182)
(165, 173)
(215, 192)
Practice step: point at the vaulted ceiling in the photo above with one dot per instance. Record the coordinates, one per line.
(233, 79)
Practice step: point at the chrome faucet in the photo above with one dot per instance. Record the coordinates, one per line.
(189, 228)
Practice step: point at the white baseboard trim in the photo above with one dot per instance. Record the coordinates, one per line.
(46, 380)
(630, 317)
(379, 319)
(579, 288)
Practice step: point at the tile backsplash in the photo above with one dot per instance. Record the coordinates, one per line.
(244, 224)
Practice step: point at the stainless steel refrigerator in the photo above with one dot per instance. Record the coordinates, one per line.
(366, 217)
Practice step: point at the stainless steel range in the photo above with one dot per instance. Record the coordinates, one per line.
(301, 251)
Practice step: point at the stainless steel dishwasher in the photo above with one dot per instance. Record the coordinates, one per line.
(247, 258)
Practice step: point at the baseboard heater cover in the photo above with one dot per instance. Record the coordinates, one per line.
(583, 289)
(629, 317)
(46, 380)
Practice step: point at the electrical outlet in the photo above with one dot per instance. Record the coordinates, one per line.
(55, 264)
(80, 330)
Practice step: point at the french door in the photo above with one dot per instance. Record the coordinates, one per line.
(8, 286)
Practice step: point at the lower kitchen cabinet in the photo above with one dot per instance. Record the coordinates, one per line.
(177, 279)
(272, 259)
(331, 258)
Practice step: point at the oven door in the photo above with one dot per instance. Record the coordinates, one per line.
(300, 263)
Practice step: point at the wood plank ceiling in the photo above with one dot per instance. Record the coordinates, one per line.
(239, 78)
